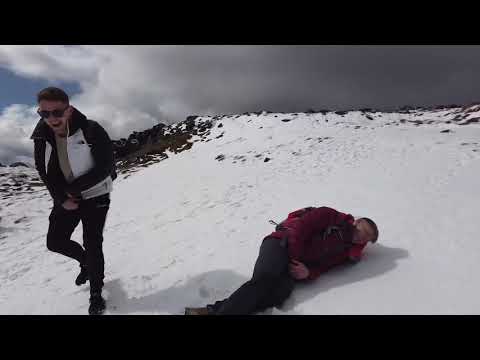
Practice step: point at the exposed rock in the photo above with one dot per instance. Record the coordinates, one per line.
(19, 164)
(470, 121)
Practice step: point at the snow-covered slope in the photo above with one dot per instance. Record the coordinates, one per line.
(186, 231)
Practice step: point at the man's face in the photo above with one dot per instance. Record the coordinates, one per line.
(363, 232)
(56, 115)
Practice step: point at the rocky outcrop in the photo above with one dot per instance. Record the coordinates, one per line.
(18, 164)
(141, 149)
(19, 181)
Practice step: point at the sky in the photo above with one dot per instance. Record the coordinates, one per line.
(132, 88)
(19, 90)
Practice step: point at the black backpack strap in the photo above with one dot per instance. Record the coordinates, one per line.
(280, 227)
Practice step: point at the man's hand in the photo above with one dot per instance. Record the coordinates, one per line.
(298, 270)
(70, 204)
(73, 197)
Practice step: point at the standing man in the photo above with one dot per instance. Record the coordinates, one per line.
(74, 158)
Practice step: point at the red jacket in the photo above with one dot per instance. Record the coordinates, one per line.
(307, 244)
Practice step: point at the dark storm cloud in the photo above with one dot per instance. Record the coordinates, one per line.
(294, 78)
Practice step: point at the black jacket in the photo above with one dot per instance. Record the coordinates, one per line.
(101, 150)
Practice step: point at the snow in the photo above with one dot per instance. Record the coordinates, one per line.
(186, 231)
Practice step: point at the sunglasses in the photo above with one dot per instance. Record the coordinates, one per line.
(55, 113)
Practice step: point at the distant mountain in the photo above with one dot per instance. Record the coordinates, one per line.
(20, 164)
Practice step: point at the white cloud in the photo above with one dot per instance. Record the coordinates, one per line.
(16, 125)
(117, 89)
(125, 88)
(67, 63)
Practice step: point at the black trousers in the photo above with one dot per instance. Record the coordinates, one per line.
(270, 285)
(92, 213)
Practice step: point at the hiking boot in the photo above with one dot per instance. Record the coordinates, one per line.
(97, 304)
(82, 277)
(197, 311)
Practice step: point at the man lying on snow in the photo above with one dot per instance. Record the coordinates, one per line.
(309, 242)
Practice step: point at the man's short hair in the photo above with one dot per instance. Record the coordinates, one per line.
(52, 94)
(374, 227)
